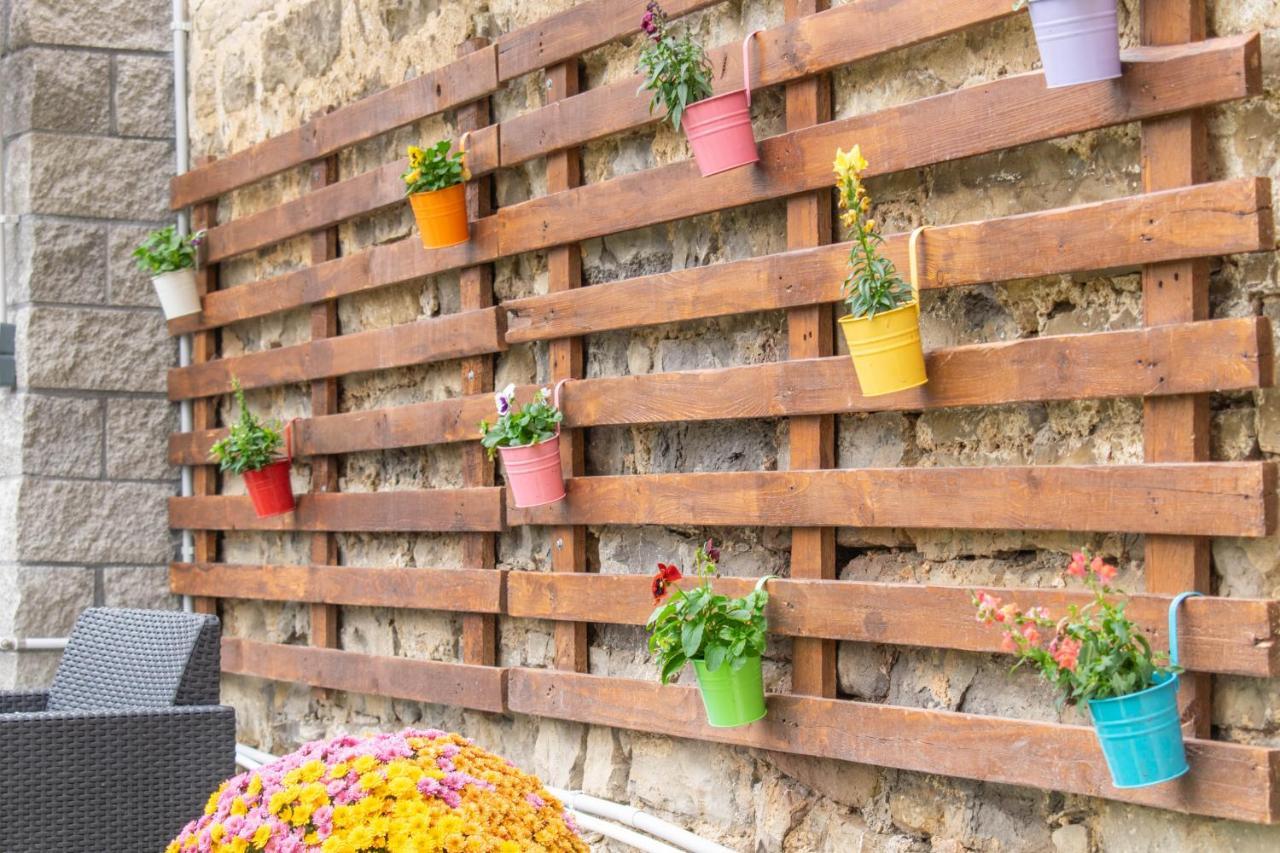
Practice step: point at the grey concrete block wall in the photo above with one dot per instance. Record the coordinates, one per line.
(86, 145)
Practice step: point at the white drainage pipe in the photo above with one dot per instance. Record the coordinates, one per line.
(632, 816)
(620, 833)
(182, 146)
(33, 644)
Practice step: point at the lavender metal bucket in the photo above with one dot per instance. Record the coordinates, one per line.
(1079, 40)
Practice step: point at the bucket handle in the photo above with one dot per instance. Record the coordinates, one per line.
(1173, 624)
(288, 439)
(463, 141)
(913, 261)
(746, 64)
(555, 399)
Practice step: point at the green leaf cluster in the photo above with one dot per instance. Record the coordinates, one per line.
(676, 70)
(873, 285)
(700, 624)
(535, 422)
(433, 168)
(250, 445)
(166, 251)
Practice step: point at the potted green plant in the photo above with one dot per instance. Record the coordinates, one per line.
(883, 324)
(170, 259)
(529, 440)
(1079, 40)
(251, 449)
(434, 183)
(677, 72)
(1095, 654)
(722, 637)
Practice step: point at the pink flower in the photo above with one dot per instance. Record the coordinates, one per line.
(1076, 568)
(534, 800)
(1038, 613)
(1007, 644)
(1066, 652)
(1031, 633)
(1008, 613)
(1105, 572)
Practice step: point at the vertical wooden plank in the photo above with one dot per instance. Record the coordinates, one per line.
(1176, 429)
(809, 335)
(564, 272)
(479, 630)
(324, 401)
(204, 412)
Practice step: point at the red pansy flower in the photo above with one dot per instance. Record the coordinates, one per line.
(666, 574)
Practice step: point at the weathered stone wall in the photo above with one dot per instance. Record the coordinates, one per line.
(86, 118)
(260, 67)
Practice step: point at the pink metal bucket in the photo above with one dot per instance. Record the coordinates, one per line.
(534, 471)
(719, 128)
(1078, 39)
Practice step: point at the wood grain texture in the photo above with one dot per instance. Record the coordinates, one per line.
(1210, 499)
(803, 46)
(1214, 355)
(1226, 780)
(442, 510)
(1224, 217)
(204, 413)
(1228, 635)
(1004, 113)
(438, 339)
(465, 590)
(467, 79)
(457, 684)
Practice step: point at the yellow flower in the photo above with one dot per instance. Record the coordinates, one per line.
(416, 154)
(262, 835)
(871, 225)
(255, 786)
(849, 163)
(239, 806)
(365, 763)
(216, 831)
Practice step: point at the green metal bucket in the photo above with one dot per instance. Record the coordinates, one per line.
(732, 698)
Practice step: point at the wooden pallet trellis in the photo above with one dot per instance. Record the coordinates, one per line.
(1177, 497)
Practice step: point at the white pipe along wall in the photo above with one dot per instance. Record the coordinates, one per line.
(182, 147)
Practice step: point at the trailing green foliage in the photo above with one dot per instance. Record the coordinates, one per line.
(166, 251)
(702, 625)
(250, 445)
(433, 168)
(1093, 652)
(676, 70)
(534, 423)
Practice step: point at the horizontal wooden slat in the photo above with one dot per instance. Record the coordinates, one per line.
(470, 77)
(1217, 355)
(1004, 113)
(1209, 219)
(444, 510)
(988, 117)
(466, 590)
(437, 339)
(1236, 636)
(1209, 499)
(462, 685)
(576, 31)
(1226, 780)
(809, 45)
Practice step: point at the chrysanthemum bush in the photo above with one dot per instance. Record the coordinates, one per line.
(416, 791)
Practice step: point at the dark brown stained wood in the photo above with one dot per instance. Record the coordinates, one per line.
(1211, 499)
(444, 510)
(811, 438)
(805, 45)
(576, 31)
(1229, 635)
(1225, 217)
(1213, 355)
(988, 117)
(437, 339)
(1005, 113)
(358, 196)
(1175, 152)
(466, 79)
(458, 684)
(466, 590)
(372, 268)
(1226, 780)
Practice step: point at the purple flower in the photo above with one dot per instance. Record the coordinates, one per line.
(503, 399)
(712, 552)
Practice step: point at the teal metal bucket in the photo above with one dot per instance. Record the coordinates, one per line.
(1141, 734)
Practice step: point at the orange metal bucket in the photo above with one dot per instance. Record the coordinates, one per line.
(441, 216)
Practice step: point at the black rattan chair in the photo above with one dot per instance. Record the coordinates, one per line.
(125, 746)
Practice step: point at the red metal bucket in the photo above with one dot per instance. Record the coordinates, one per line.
(270, 489)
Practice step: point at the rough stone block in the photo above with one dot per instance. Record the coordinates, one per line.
(62, 437)
(559, 752)
(144, 96)
(137, 586)
(302, 45)
(43, 601)
(105, 177)
(137, 438)
(93, 522)
(126, 284)
(60, 262)
(122, 24)
(102, 350)
(62, 90)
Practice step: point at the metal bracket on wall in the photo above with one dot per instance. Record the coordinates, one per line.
(8, 356)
